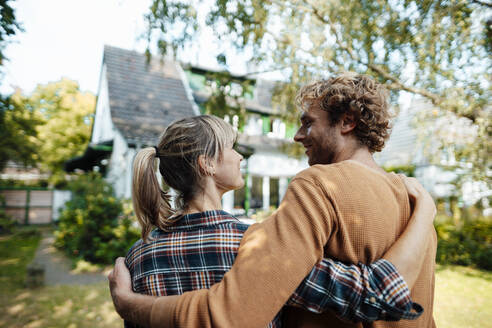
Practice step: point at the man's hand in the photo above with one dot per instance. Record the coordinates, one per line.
(129, 305)
(120, 286)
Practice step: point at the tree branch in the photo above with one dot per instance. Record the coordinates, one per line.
(482, 3)
(396, 84)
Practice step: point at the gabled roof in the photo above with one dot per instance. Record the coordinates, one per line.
(144, 98)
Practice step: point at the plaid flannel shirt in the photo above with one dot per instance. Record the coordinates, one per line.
(200, 248)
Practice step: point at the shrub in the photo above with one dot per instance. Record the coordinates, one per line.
(467, 244)
(93, 225)
(27, 232)
(7, 223)
(41, 183)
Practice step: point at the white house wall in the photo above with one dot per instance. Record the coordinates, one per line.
(268, 164)
(118, 172)
(103, 126)
(275, 164)
(401, 148)
(60, 197)
(120, 163)
(129, 157)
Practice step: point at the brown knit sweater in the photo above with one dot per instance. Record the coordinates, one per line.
(345, 210)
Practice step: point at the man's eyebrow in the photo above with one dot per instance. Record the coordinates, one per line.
(304, 117)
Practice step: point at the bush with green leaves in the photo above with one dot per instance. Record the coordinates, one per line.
(95, 225)
(469, 243)
(7, 223)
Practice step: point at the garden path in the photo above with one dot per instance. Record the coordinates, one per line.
(58, 268)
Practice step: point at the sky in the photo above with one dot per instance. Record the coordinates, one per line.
(65, 38)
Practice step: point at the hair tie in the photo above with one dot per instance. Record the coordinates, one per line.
(156, 151)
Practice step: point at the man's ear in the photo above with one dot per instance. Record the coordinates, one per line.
(348, 123)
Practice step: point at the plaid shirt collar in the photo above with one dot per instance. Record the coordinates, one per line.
(201, 220)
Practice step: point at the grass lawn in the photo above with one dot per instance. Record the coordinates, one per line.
(50, 306)
(16, 251)
(462, 295)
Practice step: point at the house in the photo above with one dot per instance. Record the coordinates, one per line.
(406, 148)
(269, 169)
(135, 103)
(138, 100)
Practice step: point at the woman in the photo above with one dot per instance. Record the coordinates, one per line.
(193, 245)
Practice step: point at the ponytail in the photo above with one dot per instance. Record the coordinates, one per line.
(151, 203)
(178, 150)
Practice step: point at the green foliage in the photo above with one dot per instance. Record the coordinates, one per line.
(95, 226)
(408, 170)
(7, 223)
(47, 127)
(42, 183)
(469, 243)
(66, 115)
(16, 251)
(434, 49)
(17, 132)
(227, 95)
(8, 26)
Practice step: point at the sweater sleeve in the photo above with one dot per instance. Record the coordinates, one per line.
(273, 259)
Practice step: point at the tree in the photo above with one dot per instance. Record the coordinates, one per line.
(17, 132)
(17, 125)
(434, 49)
(8, 26)
(66, 115)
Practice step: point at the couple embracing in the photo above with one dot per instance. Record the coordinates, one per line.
(349, 246)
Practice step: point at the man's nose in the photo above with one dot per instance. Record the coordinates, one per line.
(299, 136)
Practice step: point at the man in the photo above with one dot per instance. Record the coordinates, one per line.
(343, 208)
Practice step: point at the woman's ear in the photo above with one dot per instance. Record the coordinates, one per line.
(205, 166)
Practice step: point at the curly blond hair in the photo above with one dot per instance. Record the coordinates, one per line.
(357, 95)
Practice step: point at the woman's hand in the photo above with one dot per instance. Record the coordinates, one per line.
(420, 198)
(407, 253)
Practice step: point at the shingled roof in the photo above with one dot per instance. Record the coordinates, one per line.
(144, 98)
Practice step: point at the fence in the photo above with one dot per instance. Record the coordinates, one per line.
(33, 205)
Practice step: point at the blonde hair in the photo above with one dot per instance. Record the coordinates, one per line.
(355, 94)
(178, 151)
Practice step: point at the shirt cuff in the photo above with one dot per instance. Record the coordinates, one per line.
(392, 301)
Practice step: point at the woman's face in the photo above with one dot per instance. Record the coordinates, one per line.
(227, 171)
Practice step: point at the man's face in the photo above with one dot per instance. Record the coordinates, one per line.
(318, 136)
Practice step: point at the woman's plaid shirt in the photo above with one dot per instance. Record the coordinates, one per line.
(200, 248)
